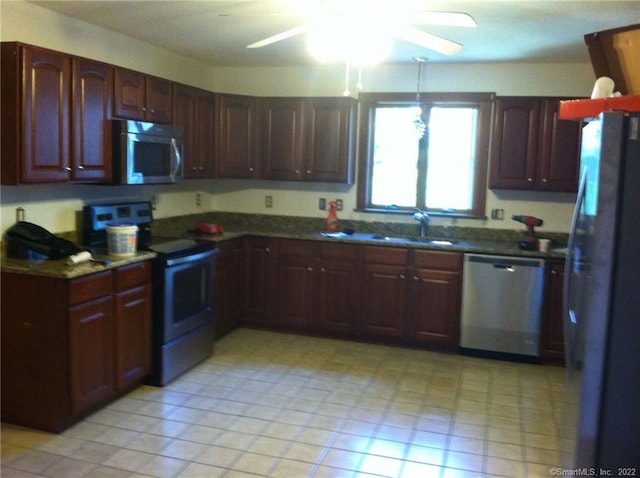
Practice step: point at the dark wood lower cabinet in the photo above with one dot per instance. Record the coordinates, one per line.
(71, 345)
(228, 288)
(317, 287)
(383, 308)
(351, 291)
(259, 281)
(552, 323)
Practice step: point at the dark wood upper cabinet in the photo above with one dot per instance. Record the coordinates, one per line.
(92, 90)
(206, 133)
(184, 116)
(559, 160)
(533, 149)
(141, 97)
(330, 139)
(310, 139)
(36, 113)
(515, 137)
(283, 139)
(194, 111)
(238, 136)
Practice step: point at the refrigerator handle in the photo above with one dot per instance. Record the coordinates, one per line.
(568, 314)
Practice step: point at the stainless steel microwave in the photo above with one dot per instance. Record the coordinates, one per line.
(146, 153)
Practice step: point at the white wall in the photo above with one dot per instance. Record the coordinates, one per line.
(56, 206)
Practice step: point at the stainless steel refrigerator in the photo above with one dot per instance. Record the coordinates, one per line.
(602, 302)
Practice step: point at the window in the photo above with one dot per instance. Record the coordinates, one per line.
(443, 172)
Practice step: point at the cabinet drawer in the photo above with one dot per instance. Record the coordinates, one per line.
(385, 255)
(339, 251)
(90, 287)
(451, 261)
(132, 275)
(296, 248)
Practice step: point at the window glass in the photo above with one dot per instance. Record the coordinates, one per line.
(443, 171)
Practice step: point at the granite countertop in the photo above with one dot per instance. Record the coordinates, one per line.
(58, 268)
(236, 225)
(470, 245)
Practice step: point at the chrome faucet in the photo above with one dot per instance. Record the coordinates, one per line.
(423, 217)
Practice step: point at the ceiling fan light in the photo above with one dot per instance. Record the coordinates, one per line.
(358, 42)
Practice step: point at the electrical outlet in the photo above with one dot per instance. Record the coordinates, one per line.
(322, 204)
(268, 201)
(497, 214)
(198, 199)
(338, 204)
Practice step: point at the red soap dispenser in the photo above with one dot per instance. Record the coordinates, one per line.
(331, 224)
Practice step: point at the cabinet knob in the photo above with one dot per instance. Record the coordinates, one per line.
(322, 269)
(554, 273)
(530, 180)
(308, 171)
(267, 249)
(310, 269)
(68, 168)
(250, 170)
(297, 171)
(416, 278)
(81, 167)
(402, 276)
(152, 111)
(544, 180)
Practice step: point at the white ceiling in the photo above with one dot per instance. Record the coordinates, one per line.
(217, 31)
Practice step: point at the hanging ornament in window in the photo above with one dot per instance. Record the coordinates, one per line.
(418, 123)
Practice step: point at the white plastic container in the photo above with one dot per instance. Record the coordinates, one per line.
(121, 239)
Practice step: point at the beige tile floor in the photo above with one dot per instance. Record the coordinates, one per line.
(278, 405)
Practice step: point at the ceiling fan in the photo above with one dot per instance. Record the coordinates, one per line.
(361, 31)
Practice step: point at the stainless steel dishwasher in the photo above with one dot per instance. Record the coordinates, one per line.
(501, 305)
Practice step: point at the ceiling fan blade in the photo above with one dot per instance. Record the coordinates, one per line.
(299, 30)
(427, 40)
(451, 19)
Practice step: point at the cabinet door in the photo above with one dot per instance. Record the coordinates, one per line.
(158, 100)
(228, 288)
(383, 306)
(132, 336)
(91, 353)
(260, 257)
(238, 141)
(559, 159)
(435, 303)
(184, 116)
(295, 289)
(129, 94)
(329, 144)
(336, 296)
(515, 137)
(552, 331)
(45, 135)
(283, 139)
(92, 89)
(205, 133)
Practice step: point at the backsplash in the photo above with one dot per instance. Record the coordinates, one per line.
(270, 223)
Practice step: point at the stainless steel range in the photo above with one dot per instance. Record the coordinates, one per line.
(182, 282)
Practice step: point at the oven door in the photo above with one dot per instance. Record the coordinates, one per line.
(187, 299)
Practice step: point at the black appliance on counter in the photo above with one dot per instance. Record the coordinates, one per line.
(182, 283)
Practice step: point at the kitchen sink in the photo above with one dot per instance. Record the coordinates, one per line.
(405, 239)
(360, 236)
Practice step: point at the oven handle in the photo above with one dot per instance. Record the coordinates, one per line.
(190, 258)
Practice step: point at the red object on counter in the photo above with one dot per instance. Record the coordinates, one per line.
(209, 228)
(585, 109)
(331, 223)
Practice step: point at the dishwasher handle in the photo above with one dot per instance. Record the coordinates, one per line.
(504, 262)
